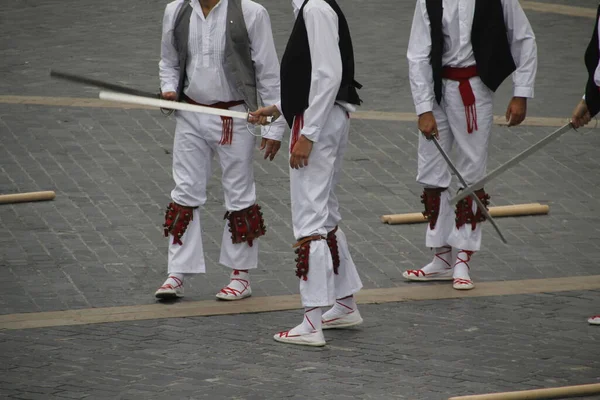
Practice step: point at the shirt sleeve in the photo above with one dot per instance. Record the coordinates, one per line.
(169, 59)
(597, 72)
(420, 73)
(266, 65)
(523, 48)
(326, 78)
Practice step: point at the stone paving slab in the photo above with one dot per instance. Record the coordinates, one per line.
(416, 291)
(419, 350)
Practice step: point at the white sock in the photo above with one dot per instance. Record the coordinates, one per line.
(174, 280)
(311, 322)
(461, 266)
(442, 259)
(341, 307)
(240, 281)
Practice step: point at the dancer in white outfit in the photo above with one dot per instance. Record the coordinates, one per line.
(589, 106)
(317, 93)
(220, 54)
(459, 52)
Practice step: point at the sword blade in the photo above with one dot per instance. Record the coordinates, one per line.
(100, 84)
(172, 105)
(510, 163)
(481, 206)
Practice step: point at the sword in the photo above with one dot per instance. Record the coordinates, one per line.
(484, 210)
(515, 160)
(101, 84)
(172, 105)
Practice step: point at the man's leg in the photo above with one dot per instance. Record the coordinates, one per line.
(434, 175)
(244, 223)
(310, 188)
(191, 169)
(471, 162)
(344, 312)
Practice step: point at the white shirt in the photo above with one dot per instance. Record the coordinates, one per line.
(207, 82)
(597, 73)
(457, 22)
(326, 60)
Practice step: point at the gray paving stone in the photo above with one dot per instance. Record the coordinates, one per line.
(419, 350)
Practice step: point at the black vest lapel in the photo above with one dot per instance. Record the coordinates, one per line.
(181, 34)
(592, 58)
(435, 12)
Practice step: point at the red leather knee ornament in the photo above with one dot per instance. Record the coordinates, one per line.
(177, 219)
(246, 225)
(303, 252)
(464, 210)
(431, 200)
(333, 248)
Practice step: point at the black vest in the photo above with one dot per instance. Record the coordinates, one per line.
(592, 58)
(488, 38)
(296, 67)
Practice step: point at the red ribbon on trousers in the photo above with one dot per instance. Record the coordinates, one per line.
(296, 128)
(462, 76)
(227, 134)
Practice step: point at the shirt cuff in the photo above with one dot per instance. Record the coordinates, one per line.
(272, 132)
(278, 105)
(424, 107)
(311, 133)
(523, 91)
(168, 88)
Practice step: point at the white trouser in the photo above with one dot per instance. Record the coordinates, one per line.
(471, 160)
(315, 210)
(197, 138)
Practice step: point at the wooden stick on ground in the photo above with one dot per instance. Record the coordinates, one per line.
(538, 394)
(500, 211)
(25, 197)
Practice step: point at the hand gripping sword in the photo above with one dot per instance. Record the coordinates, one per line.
(484, 210)
(510, 163)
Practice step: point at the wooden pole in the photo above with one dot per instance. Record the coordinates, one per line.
(538, 394)
(25, 197)
(499, 211)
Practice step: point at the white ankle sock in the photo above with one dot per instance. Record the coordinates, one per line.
(461, 266)
(311, 322)
(175, 280)
(240, 280)
(441, 260)
(340, 308)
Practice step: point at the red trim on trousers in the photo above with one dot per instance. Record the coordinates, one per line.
(296, 128)
(227, 134)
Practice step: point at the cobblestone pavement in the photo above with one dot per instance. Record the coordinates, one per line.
(99, 243)
(427, 350)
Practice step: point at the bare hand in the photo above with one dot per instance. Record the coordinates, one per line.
(581, 115)
(428, 125)
(259, 117)
(516, 111)
(300, 153)
(172, 96)
(271, 147)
